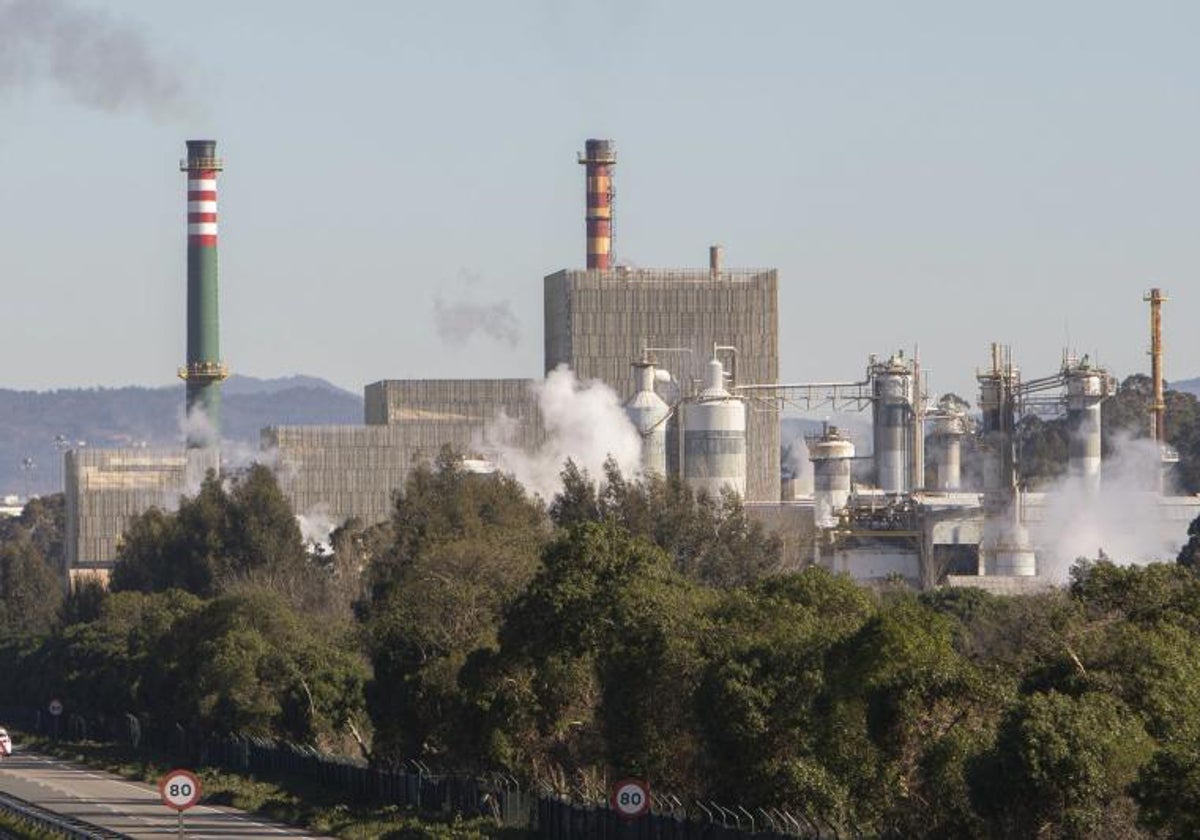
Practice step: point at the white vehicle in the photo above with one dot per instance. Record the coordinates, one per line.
(5, 743)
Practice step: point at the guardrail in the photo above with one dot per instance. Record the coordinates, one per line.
(38, 817)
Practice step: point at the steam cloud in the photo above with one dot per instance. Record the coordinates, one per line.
(584, 422)
(99, 62)
(457, 322)
(1123, 520)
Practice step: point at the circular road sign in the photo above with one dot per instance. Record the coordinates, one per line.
(631, 798)
(56, 707)
(180, 789)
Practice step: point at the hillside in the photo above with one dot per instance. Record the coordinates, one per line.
(111, 417)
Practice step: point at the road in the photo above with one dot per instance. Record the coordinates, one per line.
(131, 808)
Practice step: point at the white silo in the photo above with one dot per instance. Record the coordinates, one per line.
(714, 438)
(831, 456)
(649, 413)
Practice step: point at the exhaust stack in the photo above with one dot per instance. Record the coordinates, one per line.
(1158, 408)
(204, 370)
(599, 157)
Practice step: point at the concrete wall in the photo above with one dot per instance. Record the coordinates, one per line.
(344, 471)
(106, 488)
(597, 322)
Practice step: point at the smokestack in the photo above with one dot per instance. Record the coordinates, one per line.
(1158, 409)
(599, 156)
(715, 255)
(204, 370)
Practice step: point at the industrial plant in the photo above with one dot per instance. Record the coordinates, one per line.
(693, 354)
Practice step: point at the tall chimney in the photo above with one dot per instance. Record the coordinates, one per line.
(715, 254)
(1158, 409)
(204, 370)
(599, 157)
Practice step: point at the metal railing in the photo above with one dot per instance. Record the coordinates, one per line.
(42, 819)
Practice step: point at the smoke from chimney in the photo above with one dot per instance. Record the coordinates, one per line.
(98, 61)
(457, 321)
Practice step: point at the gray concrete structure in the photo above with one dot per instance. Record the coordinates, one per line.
(596, 322)
(338, 472)
(105, 488)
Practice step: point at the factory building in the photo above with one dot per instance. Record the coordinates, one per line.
(598, 322)
(341, 472)
(694, 356)
(106, 488)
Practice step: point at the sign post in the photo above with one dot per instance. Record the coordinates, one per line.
(55, 709)
(180, 789)
(630, 798)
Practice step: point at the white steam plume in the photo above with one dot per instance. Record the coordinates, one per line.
(1124, 521)
(316, 527)
(584, 422)
(98, 61)
(227, 456)
(459, 321)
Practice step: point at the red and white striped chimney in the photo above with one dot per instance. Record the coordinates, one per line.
(599, 157)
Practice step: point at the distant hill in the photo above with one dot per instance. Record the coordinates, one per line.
(1188, 386)
(110, 417)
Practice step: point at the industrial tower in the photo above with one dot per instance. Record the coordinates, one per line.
(204, 371)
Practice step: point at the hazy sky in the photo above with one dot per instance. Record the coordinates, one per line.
(941, 173)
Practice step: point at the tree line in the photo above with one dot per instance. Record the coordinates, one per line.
(628, 627)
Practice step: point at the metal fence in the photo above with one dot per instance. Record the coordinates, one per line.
(414, 785)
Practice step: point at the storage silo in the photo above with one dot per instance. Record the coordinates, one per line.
(649, 414)
(831, 455)
(714, 438)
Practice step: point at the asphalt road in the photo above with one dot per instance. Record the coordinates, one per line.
(131, 808)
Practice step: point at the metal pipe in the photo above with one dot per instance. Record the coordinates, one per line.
(598, 158)
(204, 370)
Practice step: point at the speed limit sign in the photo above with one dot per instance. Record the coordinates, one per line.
(180, 789)
(631, 798)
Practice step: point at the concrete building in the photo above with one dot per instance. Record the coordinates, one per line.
(106, 488)
(340, 472)
(597, 322)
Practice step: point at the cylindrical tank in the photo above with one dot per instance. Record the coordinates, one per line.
(649, 412)
(1085, 392)
(995, 442)
(599, 157)
(948, 431)
(714, 438)
(892, 415)
(1006, 548)
(831, 456)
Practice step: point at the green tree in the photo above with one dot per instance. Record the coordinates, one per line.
(30, 590)
(247, 662)
(221, 540)
(464, 545)
(598, 661)
(1063, 765)
(709, 540)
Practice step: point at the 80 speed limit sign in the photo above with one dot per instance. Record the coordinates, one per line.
(180, 789)
(631, 798)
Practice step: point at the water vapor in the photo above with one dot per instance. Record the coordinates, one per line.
(584, 422)
(98, 61)
(1122, 522)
